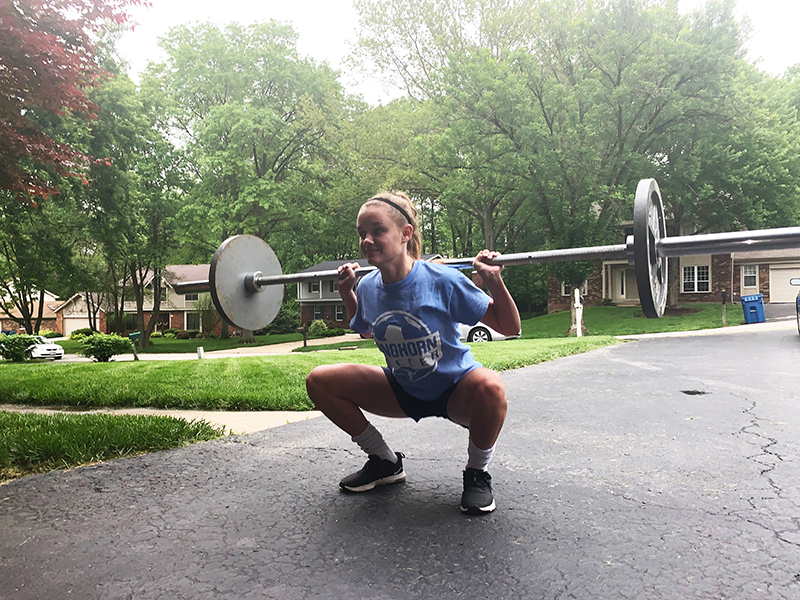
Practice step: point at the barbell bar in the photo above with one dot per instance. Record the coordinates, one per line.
(246, 282)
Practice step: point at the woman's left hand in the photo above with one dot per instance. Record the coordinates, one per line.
(485, 269)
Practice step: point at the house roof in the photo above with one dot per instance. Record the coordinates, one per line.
(787, 254)
(330, 265)
(95, 296)
(178, 273)
(50, 304)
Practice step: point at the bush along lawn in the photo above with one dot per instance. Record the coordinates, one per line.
(174, 346)
(33, 443)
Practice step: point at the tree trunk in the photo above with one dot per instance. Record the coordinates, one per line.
(151, 325)
(39, 313)
(91, 311)
(247, 337)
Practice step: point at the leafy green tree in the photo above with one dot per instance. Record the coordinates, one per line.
(259, 123)
(554, 109)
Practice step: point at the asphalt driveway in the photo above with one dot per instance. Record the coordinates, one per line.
(658, 468)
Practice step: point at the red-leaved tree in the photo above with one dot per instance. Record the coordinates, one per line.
(46, 66)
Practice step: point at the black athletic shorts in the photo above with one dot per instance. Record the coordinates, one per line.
(413, 406)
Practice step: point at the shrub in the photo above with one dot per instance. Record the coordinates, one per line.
(286, 321)
(79, 334)
(169, 336)
(156, 334)
(193, 333)
(317, 329)
(172, 331)
(48, 333)
(182, 335)
(101, 347)
(15, 347)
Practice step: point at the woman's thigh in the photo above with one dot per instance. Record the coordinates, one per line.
(365, 386)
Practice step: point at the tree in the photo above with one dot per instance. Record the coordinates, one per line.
(46, 66)
(556, 108)
(259, 123)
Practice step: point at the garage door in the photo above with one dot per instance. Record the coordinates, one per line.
(779, 288)
(73, 323)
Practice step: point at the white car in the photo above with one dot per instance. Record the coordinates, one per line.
(44, 348)
(483, 333)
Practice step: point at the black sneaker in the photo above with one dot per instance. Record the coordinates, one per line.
(377, 471)
(477, 498)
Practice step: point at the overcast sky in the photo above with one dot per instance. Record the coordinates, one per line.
(327, 27)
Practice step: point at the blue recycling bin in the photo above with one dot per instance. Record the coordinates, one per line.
(753, 307)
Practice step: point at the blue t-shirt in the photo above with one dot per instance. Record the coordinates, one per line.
(414, 322)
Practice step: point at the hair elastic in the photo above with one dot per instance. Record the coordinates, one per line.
(397, 206)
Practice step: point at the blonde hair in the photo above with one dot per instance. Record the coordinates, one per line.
(414, 245)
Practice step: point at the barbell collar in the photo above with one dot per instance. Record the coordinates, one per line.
(191, 287)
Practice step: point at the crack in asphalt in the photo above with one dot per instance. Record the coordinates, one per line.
(767, 446)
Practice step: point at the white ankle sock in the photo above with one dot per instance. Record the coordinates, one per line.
(371, 441)
(479, 459)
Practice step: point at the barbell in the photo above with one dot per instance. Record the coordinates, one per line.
(246, 282)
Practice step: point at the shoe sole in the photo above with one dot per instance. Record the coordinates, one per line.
(478, 510)
(368, 486)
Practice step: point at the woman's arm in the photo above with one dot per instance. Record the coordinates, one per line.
(502, 314)
(347, 279)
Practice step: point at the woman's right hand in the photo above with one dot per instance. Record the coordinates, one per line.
(347, 276)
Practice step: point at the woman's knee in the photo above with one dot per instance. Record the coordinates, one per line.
(490, 391)
(317, 381)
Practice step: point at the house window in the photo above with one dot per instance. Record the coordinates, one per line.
(334, 286)
(339, 312)
(191, 297)
(696, 278)
(313, 286)
(317, 312)
(750, 276)
(192, 321)
(566, 289)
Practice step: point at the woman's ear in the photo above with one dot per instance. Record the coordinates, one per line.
(408, 231)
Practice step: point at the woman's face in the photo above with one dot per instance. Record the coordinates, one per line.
(382, 240)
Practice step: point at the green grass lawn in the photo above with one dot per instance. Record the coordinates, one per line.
(242, 383)
(616, 320)
(34, 443)
(31, 443)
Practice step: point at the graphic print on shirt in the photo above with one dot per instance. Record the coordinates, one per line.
(411, 349)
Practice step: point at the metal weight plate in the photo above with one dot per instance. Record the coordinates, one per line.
(651, 266)
(236, 302)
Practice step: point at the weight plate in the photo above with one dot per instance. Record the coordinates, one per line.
(651, 266)
(235, 259)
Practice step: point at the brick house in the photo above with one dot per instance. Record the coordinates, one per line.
(177, 311)
(320, 299)
(48, 315)
(73, 314)
(700, 278)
